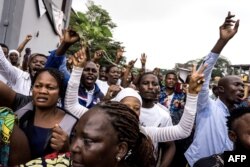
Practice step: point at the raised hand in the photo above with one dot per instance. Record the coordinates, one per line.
(156, 71)
(79, 59)
(131, 63)
(70, 36)
(143, 58)
(97, 56)
(229, 28)
(28, 37)
(119, 53)
(112, 92)
(59, 139)
(196, 80)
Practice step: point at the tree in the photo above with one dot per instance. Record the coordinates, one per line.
(221, 67)
(95, 30)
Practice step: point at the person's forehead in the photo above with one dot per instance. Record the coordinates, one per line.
(150, 77)
(97, 121)
(114, 68)
(13, 53)
(242, 122)
(47, 76)
(90, 64)
(171, 76)
(39, 57)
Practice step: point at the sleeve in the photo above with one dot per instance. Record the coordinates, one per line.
(203, 98)
(179, 131)
(58, 62)
(9, 72)
(71, 99)
(20, 101)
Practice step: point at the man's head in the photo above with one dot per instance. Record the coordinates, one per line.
(148, 86)
(230, 90)
(27, 50)
(239, 128)
(89, 75)
(5, 49)
(170, 79)
(103, 73)
(14, 57)
(36, 62)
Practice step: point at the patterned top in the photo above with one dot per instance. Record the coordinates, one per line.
(175, 106)
(7, 121)
(54, 159)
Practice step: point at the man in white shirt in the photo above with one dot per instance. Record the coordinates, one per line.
(154, 115)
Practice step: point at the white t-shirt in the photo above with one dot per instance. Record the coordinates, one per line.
(103, 85)
(155, 116)
(2, 78)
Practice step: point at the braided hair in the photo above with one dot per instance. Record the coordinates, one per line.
(126, 122)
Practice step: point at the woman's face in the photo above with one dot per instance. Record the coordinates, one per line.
(113, 75)
(133, 103)
(45, 91)
(95, 143)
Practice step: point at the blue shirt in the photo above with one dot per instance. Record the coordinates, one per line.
(176, 111)
(211, 133)
(59, 62)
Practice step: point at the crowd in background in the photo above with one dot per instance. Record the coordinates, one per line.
(70, 110)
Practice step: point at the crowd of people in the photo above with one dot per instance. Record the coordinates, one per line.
(69, 110)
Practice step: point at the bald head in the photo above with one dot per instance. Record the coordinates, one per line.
(231, 90)
(226, 80)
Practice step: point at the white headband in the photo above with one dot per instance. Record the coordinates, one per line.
(14, 51)
(126, 92)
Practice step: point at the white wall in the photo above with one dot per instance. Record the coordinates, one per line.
(47, 40)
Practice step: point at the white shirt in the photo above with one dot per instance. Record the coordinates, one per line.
(17, 79)
(155, 116)
(2, 78)
(103, 85)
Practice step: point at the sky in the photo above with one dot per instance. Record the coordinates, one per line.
(175, 31)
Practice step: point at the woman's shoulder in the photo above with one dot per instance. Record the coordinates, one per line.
(20, 101)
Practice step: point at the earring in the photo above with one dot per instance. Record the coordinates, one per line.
(118, 159)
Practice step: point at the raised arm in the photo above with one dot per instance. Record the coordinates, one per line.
(184, 127)
(57, 58)
(71, 99)
(227, 30)
(125, 82)
(7, 70)
(7, 95)
(24, 43)
(119, 55)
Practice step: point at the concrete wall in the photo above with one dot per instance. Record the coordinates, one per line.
(33, 24)
(23, 18)
(1, 8)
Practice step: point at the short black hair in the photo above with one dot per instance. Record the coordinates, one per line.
(5, 46)
(171, 72)
(142, 76)
(235, 114)
(109, 67)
